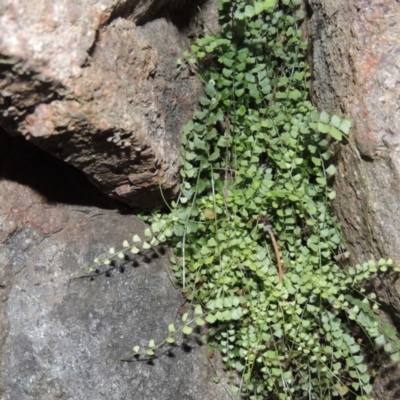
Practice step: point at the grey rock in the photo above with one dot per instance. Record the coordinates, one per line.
(63, 338)
(356, 70)
(210, 15)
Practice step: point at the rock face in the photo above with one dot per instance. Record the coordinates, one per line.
(62, 338)
(83, 81)
(356, 68)
(95, 84)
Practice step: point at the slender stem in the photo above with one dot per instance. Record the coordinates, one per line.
(268, 229)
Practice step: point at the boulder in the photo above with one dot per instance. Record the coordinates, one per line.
(95, 83)
(356, 73)
(64, 338)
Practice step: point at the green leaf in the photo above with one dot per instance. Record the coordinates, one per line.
(324, 117)
(199, 143)
(362, 368)
(239, 367)
(331, 195)
(323, 128)
(316, 161)
(135, 250)
(200, 321)
(239, 92)
(335, 121)
(367, 388)
(380, 340)
(241, 110)
(236, 313)
(212, 242)
(295, 94)
(198, 310)
(146, 246)
(331, 170)
(187, 330)
(345, 126)
(211, 318)
(335, 133)
(219, 303)
(136, 349)
(215, 155)
(395, 357)
(248, 11)
(136, 239)
(210, 89)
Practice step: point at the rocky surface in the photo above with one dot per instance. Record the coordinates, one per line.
(63, 338)
(95, 83)
(356, 72)
(209, 14)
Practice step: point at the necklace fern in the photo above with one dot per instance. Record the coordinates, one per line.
(254, 240)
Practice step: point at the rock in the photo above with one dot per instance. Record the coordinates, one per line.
(356, 58)
(63, 338)
(87, 84)
(210, 15)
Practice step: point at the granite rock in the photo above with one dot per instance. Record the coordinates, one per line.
(356, 73)
(95, 83)
(63, 338)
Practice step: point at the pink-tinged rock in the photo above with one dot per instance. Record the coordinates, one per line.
(356, 69)
(98, 91)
